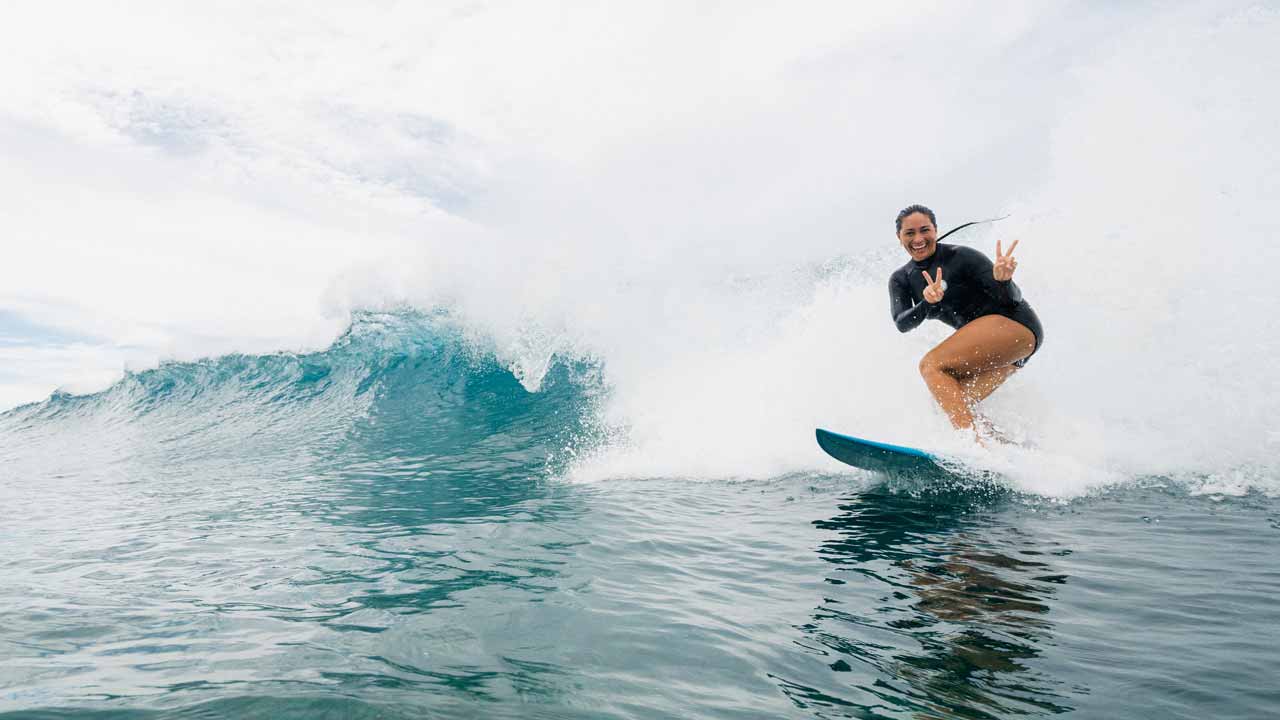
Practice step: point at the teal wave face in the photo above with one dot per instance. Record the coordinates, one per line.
(394, 385)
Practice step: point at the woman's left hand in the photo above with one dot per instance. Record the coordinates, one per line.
(1005, 264)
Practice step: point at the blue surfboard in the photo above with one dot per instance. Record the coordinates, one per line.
(878, 456)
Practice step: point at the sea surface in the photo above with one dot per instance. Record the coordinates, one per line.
(389, 529)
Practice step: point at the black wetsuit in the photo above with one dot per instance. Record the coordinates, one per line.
(970, 292)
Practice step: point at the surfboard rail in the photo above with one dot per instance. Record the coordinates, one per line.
(876, 456)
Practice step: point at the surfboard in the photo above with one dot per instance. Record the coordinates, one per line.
(878, 456)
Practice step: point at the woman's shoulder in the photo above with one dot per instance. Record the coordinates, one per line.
(964, 252)
(962, 258)
(899, 276)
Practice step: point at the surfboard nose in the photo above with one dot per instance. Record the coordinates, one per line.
(875, 456)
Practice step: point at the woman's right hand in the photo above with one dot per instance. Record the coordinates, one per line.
(933, 289)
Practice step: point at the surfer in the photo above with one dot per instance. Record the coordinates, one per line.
(996, 330)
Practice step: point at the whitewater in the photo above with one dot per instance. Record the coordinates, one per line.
(464, 360)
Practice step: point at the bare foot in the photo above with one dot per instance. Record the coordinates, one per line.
(986, 430)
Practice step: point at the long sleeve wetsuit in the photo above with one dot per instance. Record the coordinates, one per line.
(970, 292)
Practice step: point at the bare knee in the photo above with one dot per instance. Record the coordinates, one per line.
(931, 365)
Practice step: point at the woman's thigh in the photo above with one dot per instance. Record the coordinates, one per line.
(988, 342)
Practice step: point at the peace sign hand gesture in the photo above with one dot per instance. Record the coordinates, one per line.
(933, 287)
(1005, 264)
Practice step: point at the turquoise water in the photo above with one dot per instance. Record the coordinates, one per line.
(382, 530)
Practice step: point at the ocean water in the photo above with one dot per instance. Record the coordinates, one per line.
(385, 529)
(463, 360)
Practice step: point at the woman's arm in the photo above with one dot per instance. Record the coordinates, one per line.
(907, 314)
(980, 267)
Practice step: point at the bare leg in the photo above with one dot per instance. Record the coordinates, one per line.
(981, 353)
(978, 386)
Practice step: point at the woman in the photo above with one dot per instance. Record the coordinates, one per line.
(996, 330)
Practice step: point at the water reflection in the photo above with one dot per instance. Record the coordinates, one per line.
(937, 608)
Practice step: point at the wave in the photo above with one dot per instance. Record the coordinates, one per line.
(393, 386)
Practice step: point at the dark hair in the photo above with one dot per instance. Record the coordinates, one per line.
(910, 209)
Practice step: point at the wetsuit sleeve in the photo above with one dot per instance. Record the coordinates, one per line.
(1005, 293)
(907, 314)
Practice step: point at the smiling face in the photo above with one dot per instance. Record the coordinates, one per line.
(918, 236)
